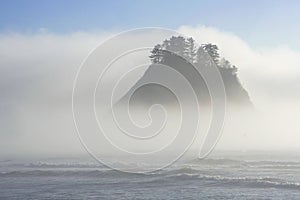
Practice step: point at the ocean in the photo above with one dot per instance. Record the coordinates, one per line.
(216, 177)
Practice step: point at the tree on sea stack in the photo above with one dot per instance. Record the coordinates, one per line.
(191, 51)
(212, 50)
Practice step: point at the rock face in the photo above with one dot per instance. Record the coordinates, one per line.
(168, 82)
(146, 92)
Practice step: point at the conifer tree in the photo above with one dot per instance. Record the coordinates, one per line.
(191, 52)
(212, 50)
(156, 54)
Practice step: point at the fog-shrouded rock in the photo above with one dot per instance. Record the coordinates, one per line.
(181, 56)
(177, 80)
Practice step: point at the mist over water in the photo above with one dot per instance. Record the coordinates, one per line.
(205, 105)
(38, 120)
(149, 132)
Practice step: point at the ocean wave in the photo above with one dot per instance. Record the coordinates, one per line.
(62, 165)
(274, 164)
(219, 161)
(75, 173)
(245, 163)
(205, 163)
(233, 181)
(256, 182)
(172, 176)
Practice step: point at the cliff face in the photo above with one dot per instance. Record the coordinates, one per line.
(146, 93)
(236, 94)
(168, 81)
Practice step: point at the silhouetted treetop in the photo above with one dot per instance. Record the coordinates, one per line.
(212, 50)
(191, 51)
(187, 48)
(156, 54)
(201, 56)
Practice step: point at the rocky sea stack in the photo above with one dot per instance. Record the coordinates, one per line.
(183, 55)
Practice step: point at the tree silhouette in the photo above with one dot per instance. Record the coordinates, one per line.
(225, 63)
(191, 51)
(204, 56)
(156, 54)
(176, 45)
(212, 50)
(164, 53)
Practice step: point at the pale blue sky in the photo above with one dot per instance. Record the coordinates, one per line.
(260, 23)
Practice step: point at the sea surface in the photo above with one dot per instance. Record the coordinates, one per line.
(216, 177)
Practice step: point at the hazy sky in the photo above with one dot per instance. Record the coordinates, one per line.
(266, 23)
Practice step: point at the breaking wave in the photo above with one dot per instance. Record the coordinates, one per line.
(187, 172)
